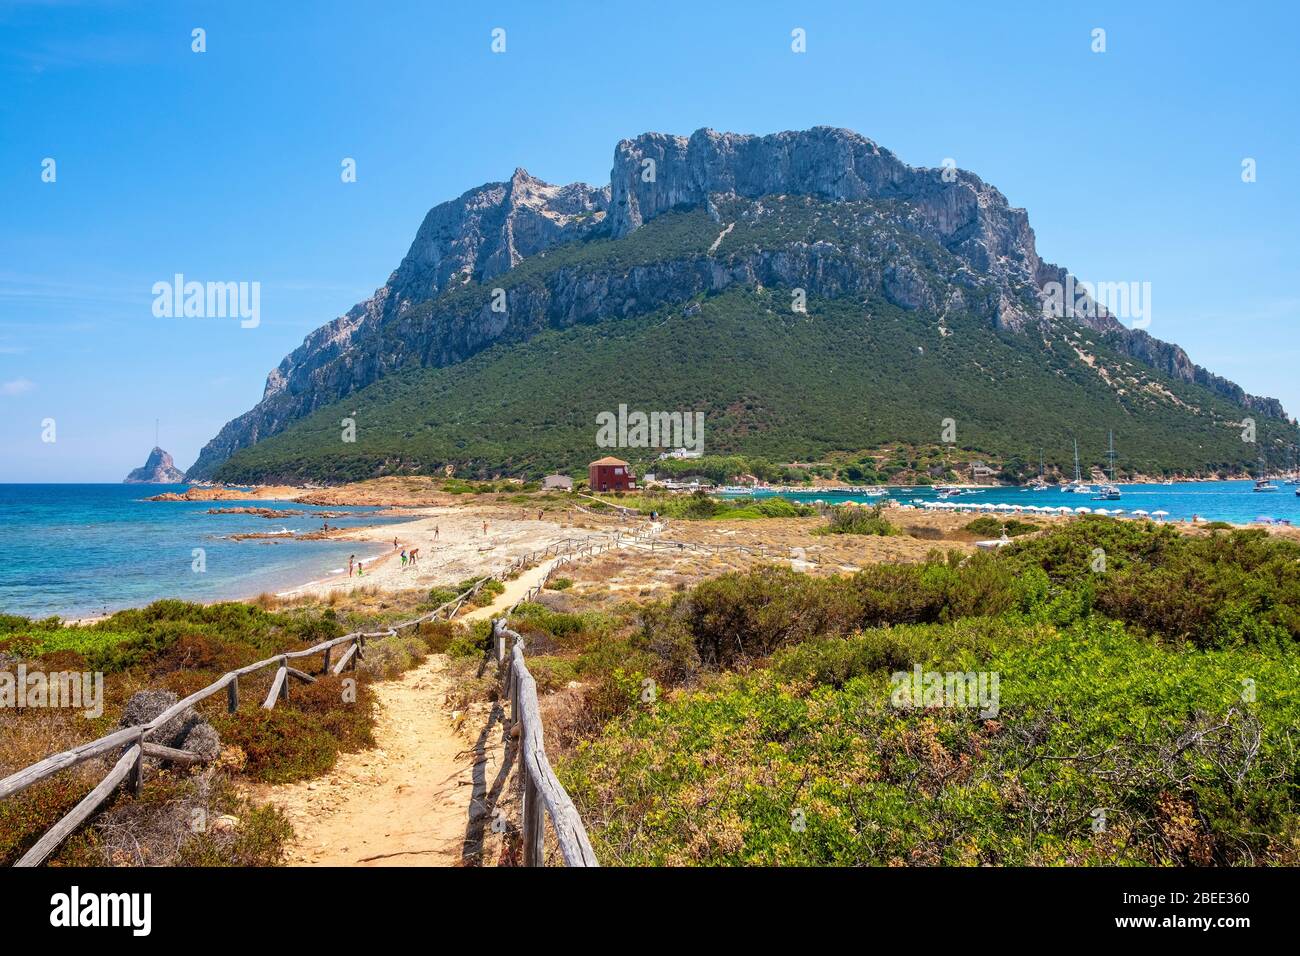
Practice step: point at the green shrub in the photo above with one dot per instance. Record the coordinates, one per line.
(851, 519)
(990, 527)
(389, 656)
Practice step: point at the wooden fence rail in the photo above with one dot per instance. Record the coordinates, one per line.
(131, 762)
(541, 788)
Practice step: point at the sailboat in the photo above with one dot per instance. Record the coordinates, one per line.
(1262, 483)
(1039, 483)
(1108, 491)
(1077, 486)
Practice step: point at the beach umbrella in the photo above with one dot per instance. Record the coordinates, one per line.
(1083, 511)
(1101, 511)
(1065, 510)
(987, 507)
(1160, 514)
(1141, 511)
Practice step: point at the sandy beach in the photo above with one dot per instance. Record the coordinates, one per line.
(453, 546)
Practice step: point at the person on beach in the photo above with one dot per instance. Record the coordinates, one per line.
(403, 558)
(485, 528)
(351, 561)
(415, 553)
(435, 532)
(394, 544)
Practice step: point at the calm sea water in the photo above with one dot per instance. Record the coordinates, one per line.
(1233, 501)
(77, 550)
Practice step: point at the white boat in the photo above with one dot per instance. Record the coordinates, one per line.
(1077, 487)
(1263, 483)
(1109, 491)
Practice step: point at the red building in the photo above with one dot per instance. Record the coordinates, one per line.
(609, 474)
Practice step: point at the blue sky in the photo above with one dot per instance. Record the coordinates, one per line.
(225, 165)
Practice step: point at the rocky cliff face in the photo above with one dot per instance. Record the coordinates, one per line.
(158, 469)
(474, 238)
(655, 173)
(907, 224)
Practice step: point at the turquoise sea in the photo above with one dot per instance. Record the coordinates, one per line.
(1233, 501)
(79, 550)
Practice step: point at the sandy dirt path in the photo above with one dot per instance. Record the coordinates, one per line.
(421, 797)
(515, 590)
(410, 801)
(418, 797)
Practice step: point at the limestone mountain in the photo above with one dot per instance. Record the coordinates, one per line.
(158, 469)
(716, 225)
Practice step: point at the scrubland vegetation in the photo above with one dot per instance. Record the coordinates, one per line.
(181, 647)
(1147, 712)
(1148, 700)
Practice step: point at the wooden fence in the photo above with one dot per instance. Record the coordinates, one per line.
(589, 548)
(135, 739)
(541, 788)
(542, 791)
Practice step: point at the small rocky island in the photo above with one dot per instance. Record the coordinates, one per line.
(158, 469)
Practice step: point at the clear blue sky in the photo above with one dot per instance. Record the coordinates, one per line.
(225, 165)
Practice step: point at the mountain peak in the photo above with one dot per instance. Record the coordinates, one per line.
(929, 240)
(158, 469)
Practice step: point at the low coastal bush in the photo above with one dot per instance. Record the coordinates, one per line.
(182, 647)
(851, 519)
(1218, 590)
(990, 527)
(701, 507)
(302, 737)
(1156, 685)
(716, 776)
(390, 656)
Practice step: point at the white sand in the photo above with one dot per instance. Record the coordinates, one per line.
(461, 550)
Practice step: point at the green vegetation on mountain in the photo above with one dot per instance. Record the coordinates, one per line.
(772, 384)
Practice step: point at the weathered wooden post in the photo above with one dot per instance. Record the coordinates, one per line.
(137, 768)
(232, 695)
(534, 822)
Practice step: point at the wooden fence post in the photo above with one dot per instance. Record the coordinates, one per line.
(534, 823)
(232, 695)
(137, 768)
